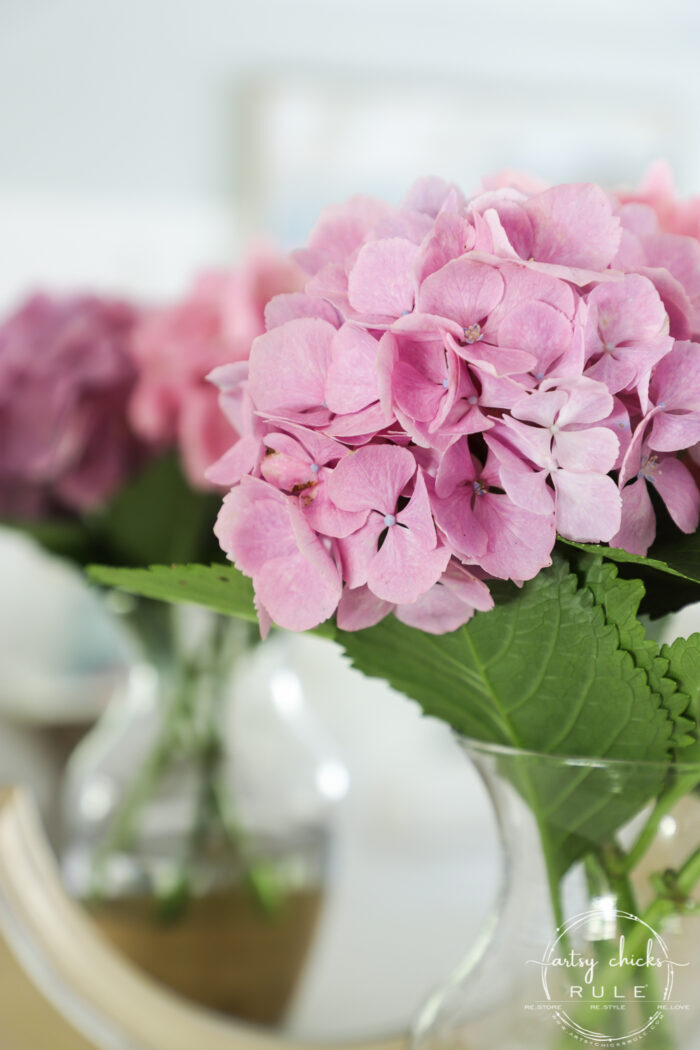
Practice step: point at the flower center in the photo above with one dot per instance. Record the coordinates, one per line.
(445, 383)
(473, 400)
(649, 467)
(479, 488)
(389, 520)
(472, 333)
(315, 468)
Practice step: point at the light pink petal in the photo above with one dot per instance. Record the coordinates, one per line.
(587, 401)
(372, 478)
(455, 466)
(264, 618)
(322, 514)
(240, 460)
(288, 366)
(357, 550)
(638, 522)
(404, 568)
(676, 379)
(253, 525)
(672, 432)
(542, 330)
(204, 434)
(526, 285)
(417, 515)
(463, 291)
(416, 395)
(588, 506)
(404, 223)
(625, 367)
(430, 193)
(291, 305)
(573, 225)
(449, 604)
(632, 460)
(501, 243)
(628, 312)
(464, 533)
(527, 488)
(571, 274)
(519, 542)
(681, 257)
(447, 241)
(340, 230)
(497, 360)
(351, 380)
(591, 449)
(541, 406)
(320, 448)
(286, 464)
(359, 608)
(679, 491)
(301, 590)
(382, 280)
(619, 422)
(357, 428)
(675, 300)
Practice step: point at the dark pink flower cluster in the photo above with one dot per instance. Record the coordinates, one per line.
(458, 382)
(65, 380)
(175, 346)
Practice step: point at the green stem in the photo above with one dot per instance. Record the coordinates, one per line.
(124, 827)
(664, 804)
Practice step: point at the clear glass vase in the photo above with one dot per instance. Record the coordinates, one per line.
(595, 938)
(197, 814)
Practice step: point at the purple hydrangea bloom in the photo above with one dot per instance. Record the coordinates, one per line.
(65, 382)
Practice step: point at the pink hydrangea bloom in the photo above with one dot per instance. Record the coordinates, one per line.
(177, 346)
(65, 381)
(459, 380)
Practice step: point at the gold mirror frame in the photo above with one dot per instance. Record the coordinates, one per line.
(64, 988)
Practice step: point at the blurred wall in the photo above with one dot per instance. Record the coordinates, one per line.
(139, 136)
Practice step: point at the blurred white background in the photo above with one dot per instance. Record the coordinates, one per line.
(142, 140)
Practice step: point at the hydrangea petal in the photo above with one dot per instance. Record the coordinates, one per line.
(573, 225)
(403, 568)
(351, 379)
(679, 491)
(382, 279)
(372, 478)
(588, 506)
(463, 291)
(638, 522)
(288, 366)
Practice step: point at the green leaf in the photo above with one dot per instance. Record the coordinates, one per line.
(680, 559)
(671, 572)
(620, 600)
(683, 658)
(542, 671)
(158, 516)
(220, 587)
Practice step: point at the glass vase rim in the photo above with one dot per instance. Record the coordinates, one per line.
(485, 747)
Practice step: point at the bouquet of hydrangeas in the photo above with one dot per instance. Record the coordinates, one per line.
(107, 424)
(481, 416)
